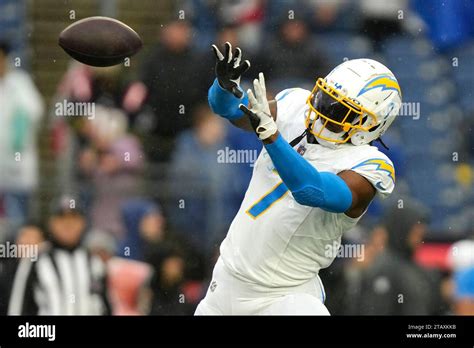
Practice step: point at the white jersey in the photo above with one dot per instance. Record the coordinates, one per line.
(275, 242)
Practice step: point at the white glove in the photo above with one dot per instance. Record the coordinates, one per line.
(259, 113)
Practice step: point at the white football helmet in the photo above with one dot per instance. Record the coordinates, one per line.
(356, 102)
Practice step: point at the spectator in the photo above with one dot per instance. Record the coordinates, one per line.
(203, 181)
(128, 280)
(66, 279)
(106, 86)
(228, 33)
(393, 284)
(292, 55)
(29, 235)
(149, 240)
(170, 74)
(114, 163)
(145, 230)
(202, 15)
(381, 20)
(71, 141)
(167, 286)
(245, 16)
(22, 109)
(344, 278)
(148, 236)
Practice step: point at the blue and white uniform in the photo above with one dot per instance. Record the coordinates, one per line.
(275, 246)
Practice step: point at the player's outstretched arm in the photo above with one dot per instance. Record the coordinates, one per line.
(347, 193)
(225, 94)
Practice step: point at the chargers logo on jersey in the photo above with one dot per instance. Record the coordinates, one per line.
(386, 82)
(380, 164)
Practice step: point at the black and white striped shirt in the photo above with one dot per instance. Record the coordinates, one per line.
(60, 282)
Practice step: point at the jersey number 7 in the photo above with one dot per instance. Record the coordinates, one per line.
(276, 194)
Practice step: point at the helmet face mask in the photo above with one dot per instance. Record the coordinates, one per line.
(337, 113)
(355, 103)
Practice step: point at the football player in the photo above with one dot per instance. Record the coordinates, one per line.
(313, 181)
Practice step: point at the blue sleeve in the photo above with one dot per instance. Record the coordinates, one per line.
(224, 103)
(308, 186)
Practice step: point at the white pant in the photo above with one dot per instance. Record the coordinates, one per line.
(228, 295)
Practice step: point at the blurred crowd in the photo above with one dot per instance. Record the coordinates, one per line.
(145, 191)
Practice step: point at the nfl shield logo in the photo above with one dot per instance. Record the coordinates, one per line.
(301, 150)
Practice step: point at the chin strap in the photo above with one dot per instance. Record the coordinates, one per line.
(310, 137)
(297, 140)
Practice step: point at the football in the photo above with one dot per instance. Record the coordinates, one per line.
(100, 41)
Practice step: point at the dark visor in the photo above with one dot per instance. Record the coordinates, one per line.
(331, 108)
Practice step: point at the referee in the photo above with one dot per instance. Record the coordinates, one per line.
(65, 279)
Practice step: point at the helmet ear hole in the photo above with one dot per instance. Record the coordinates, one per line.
(377, 127)
(374, 129)
(364, 118)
